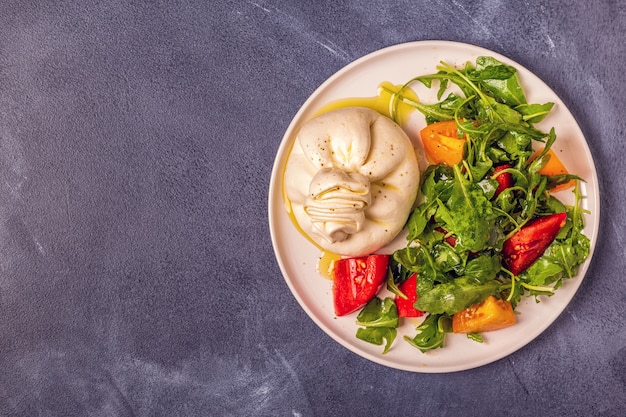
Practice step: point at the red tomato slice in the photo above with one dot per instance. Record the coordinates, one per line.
(357, 280)
(405, 307)
(505, 180)
(526, 246)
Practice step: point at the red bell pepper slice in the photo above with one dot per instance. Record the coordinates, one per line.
(505, 180)
(357, 280)
(405, 307)
(527, 245)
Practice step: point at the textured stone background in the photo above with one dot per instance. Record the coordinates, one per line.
(137, 276)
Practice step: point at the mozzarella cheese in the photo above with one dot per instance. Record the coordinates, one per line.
(352, 179)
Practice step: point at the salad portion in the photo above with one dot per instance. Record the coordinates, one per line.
(488, 227)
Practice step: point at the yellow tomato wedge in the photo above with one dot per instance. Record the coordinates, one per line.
(442, 144)
(554, 166)
(491, 314)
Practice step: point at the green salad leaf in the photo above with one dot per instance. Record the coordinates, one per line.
(468, 212)
(452, 297)
(379, 319)
(431, 333)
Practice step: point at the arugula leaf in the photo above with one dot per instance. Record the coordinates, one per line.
(542, 273)
(468, 213)
(476, 337)
(503, 116)
(378, 335)
(399, 274)
(392, 286)
(418, 259)
(454, 296)
(431, 333)
(516, 145)
(379, 313)
(555, 180)
(445, 258)
(534, 113)
(489, 68)
(380, 321)
(418, 220)
(437, 112)
(500, 80)
(437, 183)
(483, 268)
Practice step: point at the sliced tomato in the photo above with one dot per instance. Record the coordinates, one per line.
(554, 166)
(405, 307)
(505, 179)
(489, 315)
(442, 143)
(526, 246)
(357, 280)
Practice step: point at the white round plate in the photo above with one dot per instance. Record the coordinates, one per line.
(297, 257)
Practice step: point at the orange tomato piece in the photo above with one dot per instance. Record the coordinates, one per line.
(491, 314)
(442, 143)
(554, 166)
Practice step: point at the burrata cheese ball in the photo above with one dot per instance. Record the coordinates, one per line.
(351, 180)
